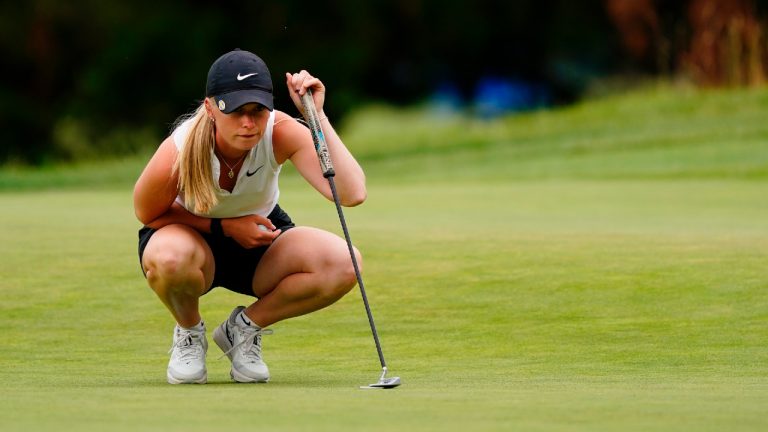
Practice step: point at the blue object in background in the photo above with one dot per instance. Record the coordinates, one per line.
(495, 96)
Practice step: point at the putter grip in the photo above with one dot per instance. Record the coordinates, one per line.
(321, 147)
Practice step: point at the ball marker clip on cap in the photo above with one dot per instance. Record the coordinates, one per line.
(238, 78)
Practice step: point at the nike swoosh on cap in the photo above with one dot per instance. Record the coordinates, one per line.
(242, 77)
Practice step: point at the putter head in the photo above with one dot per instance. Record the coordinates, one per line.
(384, 383)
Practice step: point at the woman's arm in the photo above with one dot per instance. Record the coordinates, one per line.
(155, 193)
(293, 141)
(157, 186)
(154, 202)
(244, 229)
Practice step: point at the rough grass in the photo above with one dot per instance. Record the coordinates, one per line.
(661, 132)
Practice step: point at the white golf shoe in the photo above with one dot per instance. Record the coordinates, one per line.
(242, 344)
(187, 365)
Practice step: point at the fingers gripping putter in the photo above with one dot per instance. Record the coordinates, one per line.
(310, 115)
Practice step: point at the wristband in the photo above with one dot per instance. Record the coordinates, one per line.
(216, 228)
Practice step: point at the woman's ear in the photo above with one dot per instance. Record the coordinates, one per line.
(208, 109)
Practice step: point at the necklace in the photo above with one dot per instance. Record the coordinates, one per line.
(231, 173)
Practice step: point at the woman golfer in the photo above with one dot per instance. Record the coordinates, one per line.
(209, 201)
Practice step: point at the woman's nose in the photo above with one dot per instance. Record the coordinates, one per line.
(248, 121)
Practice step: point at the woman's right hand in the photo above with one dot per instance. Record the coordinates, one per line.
(248, 231)
(298, 83)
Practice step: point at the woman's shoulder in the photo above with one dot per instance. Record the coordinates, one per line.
(287, 136)
(281, 117)
(284, 127)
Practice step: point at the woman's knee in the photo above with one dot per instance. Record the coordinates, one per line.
(344, 271)
(170, 264)
(173, 259)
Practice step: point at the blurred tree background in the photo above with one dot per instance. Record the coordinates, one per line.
(86, 78)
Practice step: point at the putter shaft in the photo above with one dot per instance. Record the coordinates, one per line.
(310, 115)
(357, 275)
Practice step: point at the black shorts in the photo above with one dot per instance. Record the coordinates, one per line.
(235, 265)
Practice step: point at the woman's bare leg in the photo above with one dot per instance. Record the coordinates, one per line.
(179, 267)
(304, 270)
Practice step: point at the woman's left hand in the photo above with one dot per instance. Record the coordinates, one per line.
(298, 83)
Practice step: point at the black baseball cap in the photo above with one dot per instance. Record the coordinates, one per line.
(237, 78)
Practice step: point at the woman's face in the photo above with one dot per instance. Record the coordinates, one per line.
(241, 129)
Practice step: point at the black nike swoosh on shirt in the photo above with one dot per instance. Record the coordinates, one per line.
(252, 173)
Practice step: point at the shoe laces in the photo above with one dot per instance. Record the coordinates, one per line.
(251, 343)
(188, 345)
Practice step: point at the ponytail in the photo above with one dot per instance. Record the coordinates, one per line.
(193, 164)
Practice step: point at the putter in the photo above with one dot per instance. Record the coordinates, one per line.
(321, 147)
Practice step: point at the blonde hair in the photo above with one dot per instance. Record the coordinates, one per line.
(193, 164)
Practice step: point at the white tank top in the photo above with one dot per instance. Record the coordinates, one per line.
(256, 190)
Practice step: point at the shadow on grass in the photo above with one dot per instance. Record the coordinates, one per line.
(314, 382)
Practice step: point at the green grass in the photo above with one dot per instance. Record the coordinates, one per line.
(517, 283)
(657, 133)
